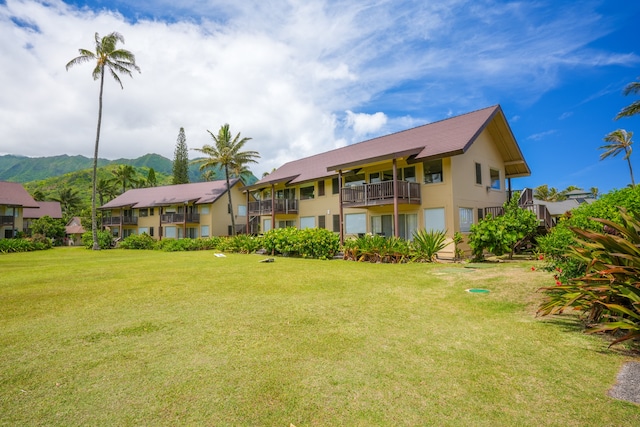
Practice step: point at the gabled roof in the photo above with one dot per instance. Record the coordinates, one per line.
(14, 194)
(51, 209)
(74, 226)
(445, 138)
(197, 192)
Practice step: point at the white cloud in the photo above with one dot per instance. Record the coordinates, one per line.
(291, 75)
(365, 124)
(541, 135)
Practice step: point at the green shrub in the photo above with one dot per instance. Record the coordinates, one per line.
(138, 241)
(426, 244)
(240, 243)
(36, 243)
(369, 248)
(608, 294)
(317, 243)
(105, 239)
(501, 234)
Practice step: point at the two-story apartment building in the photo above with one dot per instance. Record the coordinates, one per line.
(438, 176)
(193, 210)
(51, 209)
(13, 200)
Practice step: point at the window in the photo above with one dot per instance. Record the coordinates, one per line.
(410, 174)
(143, 212)
(151, 228)
(170, 232)
(335, 186)
(151, 210)
(143, 230)
(480, 213)
(266, 225)
(466, 219)
(407, 224)
(320, 188)
(307, 222)
(495, 178)
(478, 173)
(204, 231)
(336, 223)
(355, 223)
(354, 179)
(192, 233)
(374, 177)
(432, 171)
(434, 219)
(287, 193)
(286, 224)
(306, 193)
(242, 210)
(322, 221)
(204, 210)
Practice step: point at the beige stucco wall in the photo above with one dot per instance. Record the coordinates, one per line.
(17, 214)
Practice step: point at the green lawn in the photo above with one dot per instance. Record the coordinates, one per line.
(152, 338)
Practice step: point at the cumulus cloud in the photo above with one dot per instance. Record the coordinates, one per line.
(294, 76)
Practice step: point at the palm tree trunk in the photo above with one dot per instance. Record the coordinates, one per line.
(94, 219)
(233, 221)
(633, 184)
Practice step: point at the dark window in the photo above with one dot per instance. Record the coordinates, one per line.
(151, 230)
(478, 173)
(151, 211)
(320, 188)
(322, 221)
(336, 223)
(432, 171)
(306, 193)
(480, 214)
(335, 186)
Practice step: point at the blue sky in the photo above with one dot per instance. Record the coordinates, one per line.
(301, 77)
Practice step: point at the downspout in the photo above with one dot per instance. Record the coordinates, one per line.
(396, 220)
(510, 194)
(160, 223)
(184, 226)
(341, 209)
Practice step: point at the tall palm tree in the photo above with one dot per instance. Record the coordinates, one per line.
(105, 189)
(124, 175)
(69, 200)
(226, 154)
(115, 60)
(634, 107)
(619, 140)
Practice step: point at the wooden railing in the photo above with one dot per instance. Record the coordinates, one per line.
(380, 193)
(117, 220)
(179, 218)
(526, 202)
(282, 206)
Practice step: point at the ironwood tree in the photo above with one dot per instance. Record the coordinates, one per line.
(181, 160)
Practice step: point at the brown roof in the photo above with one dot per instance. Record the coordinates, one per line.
(14, 194)
(440, 139)
(74, 226)
(51, 209)
(197, 192)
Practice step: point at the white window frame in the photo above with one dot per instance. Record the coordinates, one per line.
(355, 223)
(466, 219)
(307, 222)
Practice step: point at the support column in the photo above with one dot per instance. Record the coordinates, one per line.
(340, 204)
(396, 220)
(248, 216)
(273, 206)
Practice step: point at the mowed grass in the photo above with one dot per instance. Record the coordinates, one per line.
(130, 338)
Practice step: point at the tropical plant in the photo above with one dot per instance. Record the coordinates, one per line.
(105, 240)
(49, 227)
(70, 201)
(35, 243)
(458, 238)
(181, 160)
(427, 244)
(378, 249)
(619, 141)
(634, 107)
(137, 241)
(124, 176)
(105, 190)
(115, 60)
(226, 153)
(502, 234)
(608, 294)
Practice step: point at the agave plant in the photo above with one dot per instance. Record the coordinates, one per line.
(427, 244)
(608, 295)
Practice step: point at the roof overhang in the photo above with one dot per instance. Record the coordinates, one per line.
(369, 160)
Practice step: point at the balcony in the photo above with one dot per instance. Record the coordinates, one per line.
(7, 220)
(380, 193)
(179, 218)
(120, 220)
(282, 206)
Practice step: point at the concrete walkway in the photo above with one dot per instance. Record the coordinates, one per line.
(628, 385)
